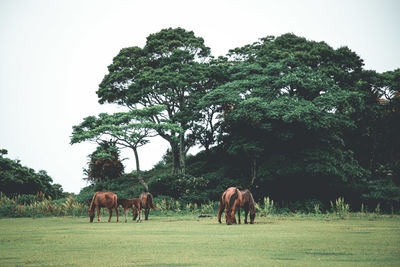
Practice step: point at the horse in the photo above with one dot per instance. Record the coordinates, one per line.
(103, 199)
(233, 199)
(147, 202)
(248, 205)
(230, 202)
(135, 204)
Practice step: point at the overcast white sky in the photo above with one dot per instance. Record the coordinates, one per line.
(53, 55)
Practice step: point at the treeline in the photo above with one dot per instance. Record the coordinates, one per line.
(23, 182)
(289, 118)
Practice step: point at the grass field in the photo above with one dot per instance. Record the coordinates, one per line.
(192, 241)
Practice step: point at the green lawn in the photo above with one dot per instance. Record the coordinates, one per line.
(191, 241)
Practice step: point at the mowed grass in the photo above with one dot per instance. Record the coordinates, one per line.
(192, 241)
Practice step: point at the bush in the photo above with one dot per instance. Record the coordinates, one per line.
(41, 207)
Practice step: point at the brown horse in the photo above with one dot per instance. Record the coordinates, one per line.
(248, 205)
(103, 199)
(230, 202)
(233, 199)
(147, 202)
(135, 204)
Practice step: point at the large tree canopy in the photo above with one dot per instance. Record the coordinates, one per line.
(291, 99)
(171, 70)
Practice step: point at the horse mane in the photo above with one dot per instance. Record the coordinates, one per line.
(232, 199)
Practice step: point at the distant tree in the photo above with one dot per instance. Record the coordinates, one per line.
(125, 129)
(16, 179)
(104, 163)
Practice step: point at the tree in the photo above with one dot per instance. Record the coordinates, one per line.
(290, 100)
(104, 163)
(171, 70)
(125, 129)
(16, 179)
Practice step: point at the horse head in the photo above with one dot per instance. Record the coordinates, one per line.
(91, 215)
(252, 217)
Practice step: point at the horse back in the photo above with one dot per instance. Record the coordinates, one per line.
(232, 197)
(106, 199)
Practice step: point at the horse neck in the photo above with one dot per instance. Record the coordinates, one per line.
(92, 205)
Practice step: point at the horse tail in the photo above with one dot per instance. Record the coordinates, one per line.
(93, 199)
(232, 199)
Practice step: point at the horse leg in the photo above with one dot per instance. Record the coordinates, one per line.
(140, 215)
(110, 211)
(226, 214)
(98, 213)
(146, 213)
(116, 211)
(239, 214)
(220, 210)
(134, 213)
(246, 212)
(125, 214)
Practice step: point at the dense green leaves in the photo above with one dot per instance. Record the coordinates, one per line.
(291, 118)
(16, 179)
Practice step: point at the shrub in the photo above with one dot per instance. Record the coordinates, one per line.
(340, 207)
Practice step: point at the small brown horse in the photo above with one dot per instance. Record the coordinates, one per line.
(135, 204)
(103, 199)
(147, 202)
(233, 199)
(230, 202)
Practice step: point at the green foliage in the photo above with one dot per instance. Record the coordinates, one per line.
(104, 163)
(268, 206)
(16, 179)
(292, 119)
(170, 70)
(185, 187)
(39, 205)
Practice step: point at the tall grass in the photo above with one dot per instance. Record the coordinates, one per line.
(340, 207)
(39, 206)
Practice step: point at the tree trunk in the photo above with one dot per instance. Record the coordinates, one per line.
(175, 157)
(182, 153)
(139, 175)
(253, 170)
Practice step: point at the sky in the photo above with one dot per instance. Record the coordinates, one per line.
(54, 54)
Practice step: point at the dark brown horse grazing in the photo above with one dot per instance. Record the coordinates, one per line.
(103, 199)
(248, 205)
(135, 204)
(230, 202)
(147, 202)
(233, 199)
